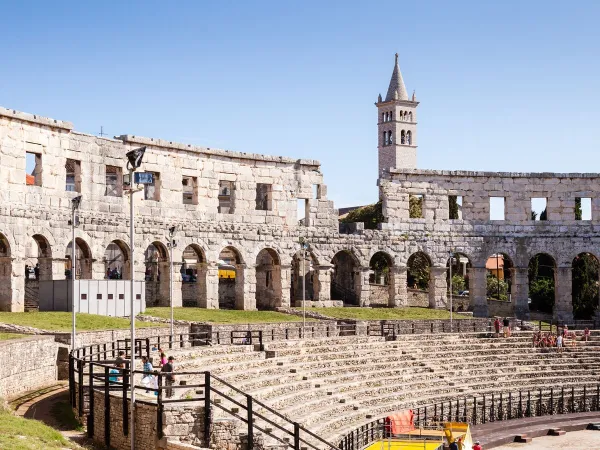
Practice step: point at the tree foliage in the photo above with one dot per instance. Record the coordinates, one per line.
(418, 271)
(585, 286)
(458, 284)
(370, 215)
(415, 206)
(541, 283)
(496, 288)
(578, 212)
(453, 207)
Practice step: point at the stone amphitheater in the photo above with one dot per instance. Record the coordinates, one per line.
(336, 388)
(242, 209)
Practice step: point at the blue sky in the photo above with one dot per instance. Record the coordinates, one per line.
(505, 86)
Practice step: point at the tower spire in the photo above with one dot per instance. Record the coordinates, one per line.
(396, 85)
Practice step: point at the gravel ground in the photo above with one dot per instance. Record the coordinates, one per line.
(575, 440)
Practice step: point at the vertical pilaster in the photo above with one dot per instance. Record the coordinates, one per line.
(322, 287)
(207, 288)
(361, 285)
(563, 294)
(478, 291)
(437, 287)
(520, 291)
(286, 283)
(245, 287)
(398, 291)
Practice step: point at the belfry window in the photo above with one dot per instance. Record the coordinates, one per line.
(408, 138)
(402, 137)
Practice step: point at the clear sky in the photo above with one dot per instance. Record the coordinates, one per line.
(503, 86)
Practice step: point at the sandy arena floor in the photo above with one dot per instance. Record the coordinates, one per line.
(575, 440)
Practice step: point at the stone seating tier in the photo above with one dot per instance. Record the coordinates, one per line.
(330, 385)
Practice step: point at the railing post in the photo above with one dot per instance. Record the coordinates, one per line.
(551, 401)
(159, 406)
(296, 436)
(584, 399)
(125, 375)
(520, 404)
(483, 411)
(528, 403)
(148, 348)
(250, 422)
(90, 417)
(572, 399)
(260, 339)
(562, 400)
(71, 380)
(80, 376)
(509, 405)
(106, 407)
(207, 408)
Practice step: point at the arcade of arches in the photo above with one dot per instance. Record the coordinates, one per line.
(265, 282)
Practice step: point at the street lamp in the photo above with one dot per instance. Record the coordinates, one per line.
(171, 244)
(75, 202)
(304, 245)
(451, 260)
(134, 161)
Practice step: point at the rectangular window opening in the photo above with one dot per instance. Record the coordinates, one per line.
(190, 190)
(538, 208)
(121, 296)
(152, 191)
(110, 297)
(73, 175)
(455, 206)
(226, 190)
(583, 208)
(497, 208)
(303, 212)
(316, 191)
(33, 168)
(98, 296)
(264, 197)
(415, 206)
(114, 181)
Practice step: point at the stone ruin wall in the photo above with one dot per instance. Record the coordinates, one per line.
(44, 211)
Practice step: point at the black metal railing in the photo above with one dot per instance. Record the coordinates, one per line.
(484, 408)
(93, 376)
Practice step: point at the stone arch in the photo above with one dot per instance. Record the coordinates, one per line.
(410, 116)
(401, 116)
(305, 268)
(458, 285)
(268, 279)
(500, 273)
(403, 137)
(38, 260)
(345, 278)
(157, 273)
(405, 116)
(408, 137)
(418, 276)
(542, 283)
(584, 285)
(6, 281)
(193, 271)
(116, 259)
(381, 279)
(231, 278)
(83, 253)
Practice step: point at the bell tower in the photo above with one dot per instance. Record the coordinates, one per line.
(397, 126)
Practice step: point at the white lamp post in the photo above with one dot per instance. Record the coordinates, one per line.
(451, 260)
(134, 161)
(75, 202)
(304, 247)
(171, 244)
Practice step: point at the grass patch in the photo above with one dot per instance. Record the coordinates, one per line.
(61, 321)
(8, 336)
(17, 433)
(63, 413)
(221, 315)
(412, 313)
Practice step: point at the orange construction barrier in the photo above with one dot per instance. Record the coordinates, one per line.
(399, 423)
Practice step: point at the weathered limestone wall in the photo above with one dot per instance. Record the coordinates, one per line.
(29, 363)
(101, 337)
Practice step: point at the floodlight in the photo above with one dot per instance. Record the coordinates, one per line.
(135, 157)
(76, 201)
(172, 230)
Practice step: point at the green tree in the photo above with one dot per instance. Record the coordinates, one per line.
(418, 271)
(585, 286)
(496, 288)
(415, 206)
(370, 215)
(578, 213)
(541, 292)
(458, 284)
(453, 207)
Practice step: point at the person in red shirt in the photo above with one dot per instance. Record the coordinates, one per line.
(477, 446)
(497, 327)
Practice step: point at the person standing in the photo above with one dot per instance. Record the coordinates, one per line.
(36, 271)
(168, 369)
(26, 272)
(497, 327)
(506, 324)
(453, 446)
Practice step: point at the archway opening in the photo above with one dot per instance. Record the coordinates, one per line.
(231, 279)
(381, 283)
(83, 254)
(268, 279)
(499, 280)
(193, 275)
(458, 265)
(38, 259)
(584, 284)
(304, 268)
(157, 274)
(541, 283)
(417, 279)
(116, 261)
(344, 278)
(5, 275)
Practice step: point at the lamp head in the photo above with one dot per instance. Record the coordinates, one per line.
(172, 230)
(76, 201)
(135, 156)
